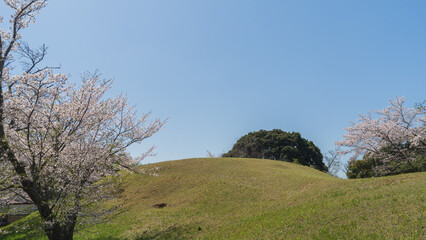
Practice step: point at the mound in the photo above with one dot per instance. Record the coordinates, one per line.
(227, 198)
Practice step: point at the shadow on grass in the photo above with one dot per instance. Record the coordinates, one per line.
(172, 232)
(106, 238)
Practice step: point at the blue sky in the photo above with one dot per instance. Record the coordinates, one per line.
(220, 69)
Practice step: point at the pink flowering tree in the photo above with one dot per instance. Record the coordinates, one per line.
(395, 137)
(59, 141)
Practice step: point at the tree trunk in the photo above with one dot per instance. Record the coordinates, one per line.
(59, 232)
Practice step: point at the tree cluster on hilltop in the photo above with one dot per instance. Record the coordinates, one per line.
(278, 145)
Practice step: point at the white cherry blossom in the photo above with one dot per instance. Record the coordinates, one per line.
(396, 128)
(58, 141)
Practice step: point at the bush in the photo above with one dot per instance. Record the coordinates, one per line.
(360, 169)
(371, 164)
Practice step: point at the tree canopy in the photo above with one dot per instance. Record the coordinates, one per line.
(58, 140)
(278, 145)
(390, 141)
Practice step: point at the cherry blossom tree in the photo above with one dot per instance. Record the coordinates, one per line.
(61, 144)
(394, 136)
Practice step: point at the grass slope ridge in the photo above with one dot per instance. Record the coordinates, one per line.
(227, 198)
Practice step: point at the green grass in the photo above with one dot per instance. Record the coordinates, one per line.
(257, 199)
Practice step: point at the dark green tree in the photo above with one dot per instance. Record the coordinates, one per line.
(278, 145)
(363, 168)
(370, 164)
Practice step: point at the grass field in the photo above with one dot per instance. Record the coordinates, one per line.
(224, 198)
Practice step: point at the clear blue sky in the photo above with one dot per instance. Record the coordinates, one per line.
(220, 69)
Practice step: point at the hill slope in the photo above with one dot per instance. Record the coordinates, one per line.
(224, 198)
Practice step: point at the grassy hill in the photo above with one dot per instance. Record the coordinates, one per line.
(257, 199)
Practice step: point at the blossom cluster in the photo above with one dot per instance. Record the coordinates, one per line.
(395, 127)
(61, 142)
(24, 13)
